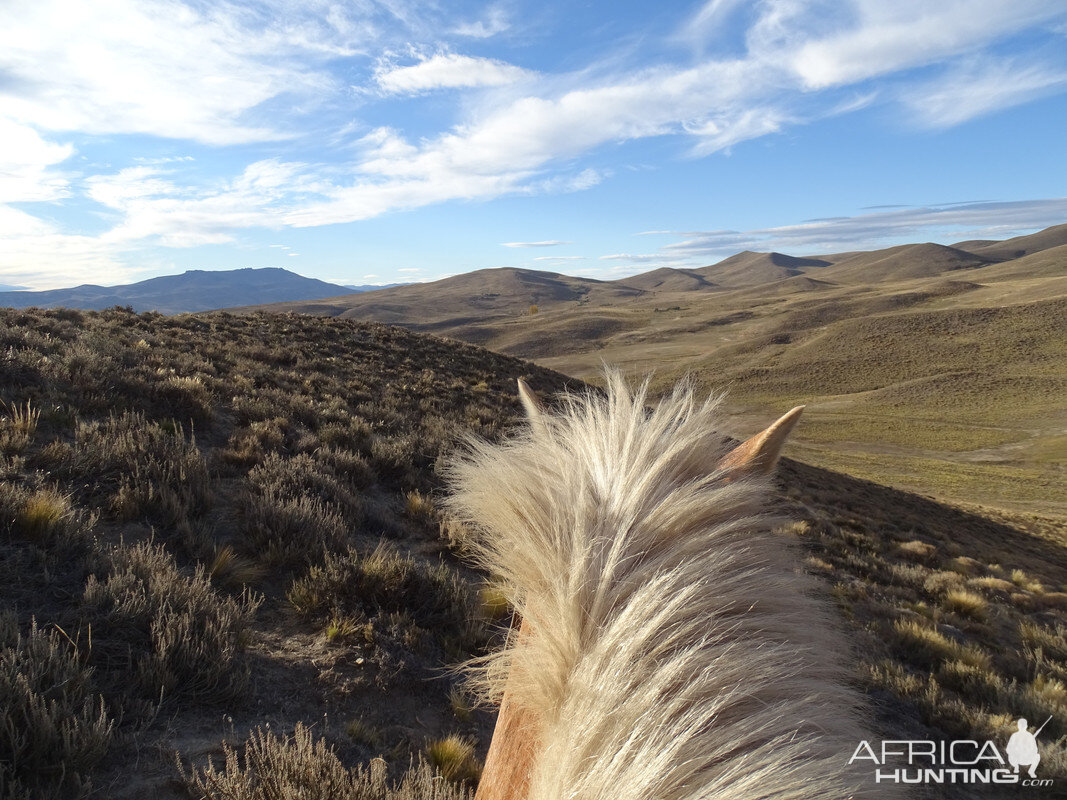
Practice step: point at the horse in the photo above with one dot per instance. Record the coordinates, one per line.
(670, 647)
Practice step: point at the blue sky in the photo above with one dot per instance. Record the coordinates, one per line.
(374, 142)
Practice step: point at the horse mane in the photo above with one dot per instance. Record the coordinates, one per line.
(674, 650)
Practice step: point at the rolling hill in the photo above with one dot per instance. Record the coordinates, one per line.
(222, 532)
(1056, 236)
(195, 290)
(926, 367)
(906, 262)
(750, 268)
(479, 295)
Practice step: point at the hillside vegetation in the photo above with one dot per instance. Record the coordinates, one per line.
(932, 368)
(223, 571)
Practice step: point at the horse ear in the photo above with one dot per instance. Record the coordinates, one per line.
(530, 402)
(759, 455)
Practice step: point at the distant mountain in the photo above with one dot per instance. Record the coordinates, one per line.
(195, 290)
(482, 306)
(482, 294)
(370, 287)
(4, 287)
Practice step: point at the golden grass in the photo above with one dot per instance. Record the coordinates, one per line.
(454, 757)
(934, 647)
(43, 512)
(969, 604)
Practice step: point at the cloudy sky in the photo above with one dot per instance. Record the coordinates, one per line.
(385, 140)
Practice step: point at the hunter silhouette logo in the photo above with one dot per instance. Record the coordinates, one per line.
(1022, 747)
(961, 761)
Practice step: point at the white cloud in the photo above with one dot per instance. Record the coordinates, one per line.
(447, 71)
(979, 87)
(128, 185)
(494, 22)
(546, 243)
(643, 257)
(948, 223)
(25, 165)
(720, 134)
(156, 67)
(880, 37)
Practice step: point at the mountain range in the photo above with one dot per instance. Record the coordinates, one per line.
(453, 305)
(195, 290)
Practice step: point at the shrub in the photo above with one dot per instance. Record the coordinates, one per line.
(304, 476)
(271, 768)
(167, 632)
(288, 529)
(384, 582)
(53, 728)
(139, 468)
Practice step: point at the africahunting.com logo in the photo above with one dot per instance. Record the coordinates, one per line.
(960, 761)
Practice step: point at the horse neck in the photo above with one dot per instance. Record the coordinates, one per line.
(506, 775)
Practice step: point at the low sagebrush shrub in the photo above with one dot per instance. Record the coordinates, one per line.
(53, 727)
(287, 529)
(139, 468)
(270, 767)
(304, 476)
(384, 582)
(162, 633)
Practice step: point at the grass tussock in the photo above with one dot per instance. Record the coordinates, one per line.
(454, 757)
(18, 424)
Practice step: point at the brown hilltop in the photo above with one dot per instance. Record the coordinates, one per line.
(1056, 236)
(905, 262)
(668, 279)
(749, 268)
(482, 294)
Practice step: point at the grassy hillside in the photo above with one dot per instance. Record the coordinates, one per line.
(932, 368)
(219, 536)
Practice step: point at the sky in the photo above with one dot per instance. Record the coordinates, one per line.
(382, 141)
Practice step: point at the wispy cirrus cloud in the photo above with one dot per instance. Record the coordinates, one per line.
(545, 243)
(447, 71)
(946, 223)
(981, 86)
(496, 20)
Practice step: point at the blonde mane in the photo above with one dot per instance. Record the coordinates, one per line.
(671, 648)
